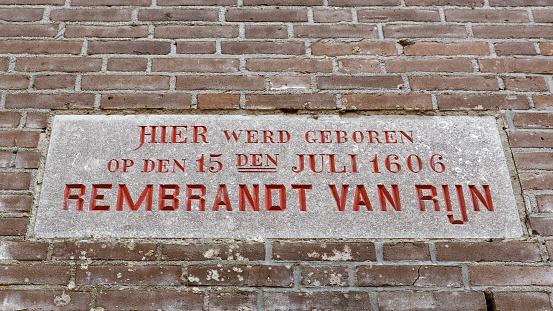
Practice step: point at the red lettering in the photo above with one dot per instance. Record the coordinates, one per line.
(143, 135)
(199, 197)
(308, 139)
(332, 164)
(269, 199)
(325, 137)
(389, 137)
(361, 198)
(284, 136)
(222, 199)
(163, 196)
(233, 135)
(341, 137)
(250, 137)
(94, 196)
(124, 196)
(197, 134)
(244, 194)
(341, 198)
(384, 195)
(359, 139)
(301, 195)
(421, 197)
(256, 159)
(268, 136)
(126, 164)
(375, 137)
(409, 137)
(149, 166)
(476, 196)
(462, 208)
(175, 133)
(162, 166)
(68, 196)
(110, 165)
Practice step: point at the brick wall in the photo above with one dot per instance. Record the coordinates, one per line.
(367, 56)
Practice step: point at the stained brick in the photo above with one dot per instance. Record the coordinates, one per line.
(515, 48)
(406, 251)
(526, 84)
(288, 83)
(14, 82)
(291, 101)
(178, 15)
(353, 48)
(466, 83)
(266, 32)
(21, 14)
(531, 139)
(386, 101)
(516, 65)
(541, 225)
(543, 101)
(197, 2)
(332, 16)
(81, 31)
(472, 3)
(447, 49)
(336, 31)
(534, 161)
(4, 63)
(220, 83)
(390, 15)
(471, 101)
(149, 300)
(220, 301)
(15, 203)
(125, 275)
(12, 225)
(53, 82)
(511, 275)
(486, 16)
(111, 2)
(513, 301)
(127, 64)
(521, 2)
(134, 101)
(289, 64)
(23, 250)
(324, 276)
(196, 47)
(104, 250)
(24, 139)
(36, 275)
(9, 118)
(545, 203)
(239, 275)
(199, 252)
(28, 30)
(359, 82)
(429, 65)
(543, 16)
(258, 47)
(178, 31)
(536, 181)
(513, 32)
(195, 64)
(218, 101)
(266, 15)
(533, 120)
(424, 31)
(363, 2)
(487, 251)
(90, 15)
(283, 2)
(36, 120)
(27, 159)
(125, 82)
(348, 251)
(129, 47)
(349, 300)
(14, 181)
(44, 300)
(50, 101)
(5, 158)
(409, 276)
(428, 300)
(40, 47)
(354, 65)
(53, 2)
(64, 64)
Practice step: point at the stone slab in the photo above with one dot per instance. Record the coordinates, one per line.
(399, 172)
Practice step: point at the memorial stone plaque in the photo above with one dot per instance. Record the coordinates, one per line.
(215, 176)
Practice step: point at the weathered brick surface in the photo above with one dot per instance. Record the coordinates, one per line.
(406, 251)
(125, 275)
(351, 300)
(291, 101)
(14, 181)
(324, 276)
(149, 300)
(27, 159)
(240, 275)
(15, 203)
(510, 275)
(36, 274)
(376, 275)
(44, 300)
(13, 225)
(428, 300)
(450, 102)
(220, 301)
(534, 160)
(487, 251)
(134, 101)
(386, 101)
(324, 251)
(511, 301)
(23, 250)
(218, 101)
(199, 252)
(104, 251)
(545, 203)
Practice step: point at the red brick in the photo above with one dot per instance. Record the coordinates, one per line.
(447, 49)
(363, 2)
(255, 47)
(283, 2)
(125, 275)
(4, 63)
(240, 275)
(464, 83)
(24, 139)
(135, 101)
(521, 2)
(543, 16)
(104, 250)
(127, 64)
(289, 64)
(515, 48)
(386, 101)
(220, 83)
(125, 82)
(5, 158)
(472, 3)
(390, 15)
(50, 101)
(533, 120)
(359, 82)
(424, 31)
(324, 276)
(15, 203)
(266, 15)
(487, 251)
(336, 31)
(513, 32)
(531, 139)
(9, 118)
(28, 30)
(545, 203)
(288, 83)
(536, 181)
(129, 47)
(331, 251)
(196, 47)
(513, 301)
(111, 2)
(291, 101)
(511, 275)
(27, 159)
(91, 15)
(53, 82)
(237, 300)
(526, 84)
(44, 300)
(332, 16)
(266, 32)
(14, 181)
(179, 31)
(218, 101)
(406, 251)
(429, 65)
(470, 101)
(36, 275)
(178, 15)
(36, 120)
(409, 276)
(149, 300)
(534, 160)
(197, 2)
(65, 64)
(200, 252)
(195, 64)
(54, 2)
(541, 225)
(23, 250)
(354, 65)
(14, 82)
(81, 31)
(546, 48)
(543, 101)
(516, 65)
(353, 48)
(40, 47)
(12, 225)
(431, 300)
(346, 300)
(486, 16)
(21, 14)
